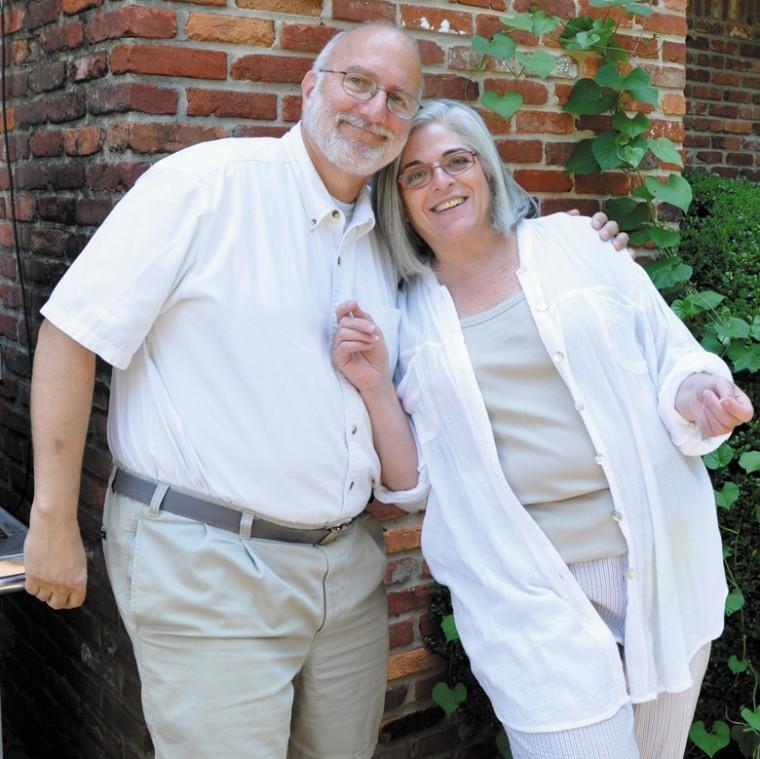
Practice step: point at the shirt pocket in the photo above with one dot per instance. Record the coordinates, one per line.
(620, 323)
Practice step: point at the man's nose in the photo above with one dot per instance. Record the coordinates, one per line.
(376, 109)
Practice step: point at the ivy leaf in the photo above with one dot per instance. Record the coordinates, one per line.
(582, 160)
(627, 212)
(505, 105)
(731, 328)
(502, 745)
(500, 46)
(449, 698)
(540, 63)
(642, 192)
(757, 514)
(629, 6)
(637, 84)
(712, 742)
(697, 303)
(588, 98)
(734, 602)
(542, 22)
(449, 628)
(727, 496)
(668, 271)
(677, 191)
(634, 152)
(642, 235)
(720, 457)
(745, 357)
(750, 461)
(631, 126)
(608, 76)
(665, 238)
(665, 150)
(737, 666)
(605, 151)
(752, 718)
(522, 21)
(727, 551)
(754, 328)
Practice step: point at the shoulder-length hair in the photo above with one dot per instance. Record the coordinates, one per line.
(509, 202)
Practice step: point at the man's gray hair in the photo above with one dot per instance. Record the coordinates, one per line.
(509, 202)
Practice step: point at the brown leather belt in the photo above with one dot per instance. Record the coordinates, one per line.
(197, 508)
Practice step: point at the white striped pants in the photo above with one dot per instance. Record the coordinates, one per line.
(653, 730)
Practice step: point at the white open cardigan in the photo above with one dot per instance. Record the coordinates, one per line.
(540, 651)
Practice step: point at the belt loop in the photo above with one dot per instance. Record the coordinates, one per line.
(158, 498)
(246, 524)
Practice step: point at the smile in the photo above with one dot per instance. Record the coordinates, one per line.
(447, 204)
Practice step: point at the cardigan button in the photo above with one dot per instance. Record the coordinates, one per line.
(617, 516)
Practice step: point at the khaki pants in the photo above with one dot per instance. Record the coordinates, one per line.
(250, 648)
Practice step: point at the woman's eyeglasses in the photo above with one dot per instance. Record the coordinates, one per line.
(362, 87)
(421, 174)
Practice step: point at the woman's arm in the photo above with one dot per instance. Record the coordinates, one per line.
(360, 353)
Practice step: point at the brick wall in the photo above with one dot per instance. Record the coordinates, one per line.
(723, 87)
(99, 89)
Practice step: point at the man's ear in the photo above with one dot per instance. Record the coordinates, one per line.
(308, 83)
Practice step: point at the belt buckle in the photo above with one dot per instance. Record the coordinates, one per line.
(333, 533)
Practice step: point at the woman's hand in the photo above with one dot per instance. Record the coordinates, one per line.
(359, 350)
(713, 403)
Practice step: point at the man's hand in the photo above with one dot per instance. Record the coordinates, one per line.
(713, 403)
(608, 230)
(55, 562)
(359, 350)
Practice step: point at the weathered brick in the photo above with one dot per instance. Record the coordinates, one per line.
(673, 130)
(520, 151)
(17, 84)
(450, 86)
(66, 37)
(533, 93)
(402, 538)
(168, 61)
(77, 6)
(141, 97)
(726, 78)
(66, 106)
(225, 103)
(409, 599)
(384, 511)
(610, 183)
(56, 208)
(212, 27)
(436, 20)
(464, 58)
(364, 10)
(159, 138)
(60, 176)
(539, 122)
(19, 51)
(271, 68)
(291, 107)
(400, 570)
(306, 37)
(41, 12)
(401, 633)
(409, 662)
(47, 143)
(555, 205)
(431, 54)
(14, 20)
(83, 140)
(663, 23)
(45, 77)
(248, 130)
(666, 76)
(89, 67)
(114, 177)
(92, 212)
(673, 52)
(153, 23)
(298, 7)
(546, 180)
(30, 112)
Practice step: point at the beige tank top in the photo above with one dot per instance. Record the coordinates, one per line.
(543, 446)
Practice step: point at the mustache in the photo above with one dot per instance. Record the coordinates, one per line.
(361, 123)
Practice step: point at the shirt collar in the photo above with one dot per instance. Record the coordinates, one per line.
(316, 200)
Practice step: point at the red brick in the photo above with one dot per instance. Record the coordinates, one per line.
(112, 177)
(533, 93)
(729, 47)
(436, 20)
(495, 123)
(65, 106)
(666, 76)
(19, 51)
(609, 183)
(402, 538)
(271, 68)
(401, 633)
(47, 143)
(307, 38)
(562, 8)
(450, 86)
(136, 96)
(555, 205)
(394, 698)
(83, 140)
(409, 662)
(17, 84)
(464, 58)
(41, 12)
(47, 76)
(291, 110)
(159, 138)
(520, 151)
(246, 130)
(77, 6)
(727, 110)
(673, 130)
(92, 212)
(431, 54)
(89, 67)
(133, 22)
(14, 20)
(673, 104)
(704, 92)
(622, 18)
(673, 52)
(384, 511)
(215, 27)
(407, 600)
(221, 103)
(363, 10)
(740, 159)
(66, 37)
(726, 78)
(540, 122)
(535, 180)
(299, 7)
(640, 47)
(423, 688)
(168, 61)
(737, 127)
(676, 5)
(662, 23)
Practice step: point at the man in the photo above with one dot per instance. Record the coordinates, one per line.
(252, 594)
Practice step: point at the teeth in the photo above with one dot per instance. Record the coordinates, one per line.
(448, 204)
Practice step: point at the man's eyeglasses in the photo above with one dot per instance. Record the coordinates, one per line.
(360, 86)
(421, 174)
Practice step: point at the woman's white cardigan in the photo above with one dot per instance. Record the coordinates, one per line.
(540, 651)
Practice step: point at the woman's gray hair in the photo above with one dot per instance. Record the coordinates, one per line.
(509, 202)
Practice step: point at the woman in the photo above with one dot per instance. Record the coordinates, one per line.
(560, 409)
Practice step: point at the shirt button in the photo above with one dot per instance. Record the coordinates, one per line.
(541, 307)
(353, 430)
(599, 459)
(559, 357)
(579, 405)
(631, 574)
(336, 214)
(313, 222)
(617, 516)
(339, 260)
(350, 485)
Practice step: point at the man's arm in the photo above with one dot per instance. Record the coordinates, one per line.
(62, 387)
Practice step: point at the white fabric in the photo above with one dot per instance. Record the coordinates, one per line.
(545, 658)
(212, 289)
